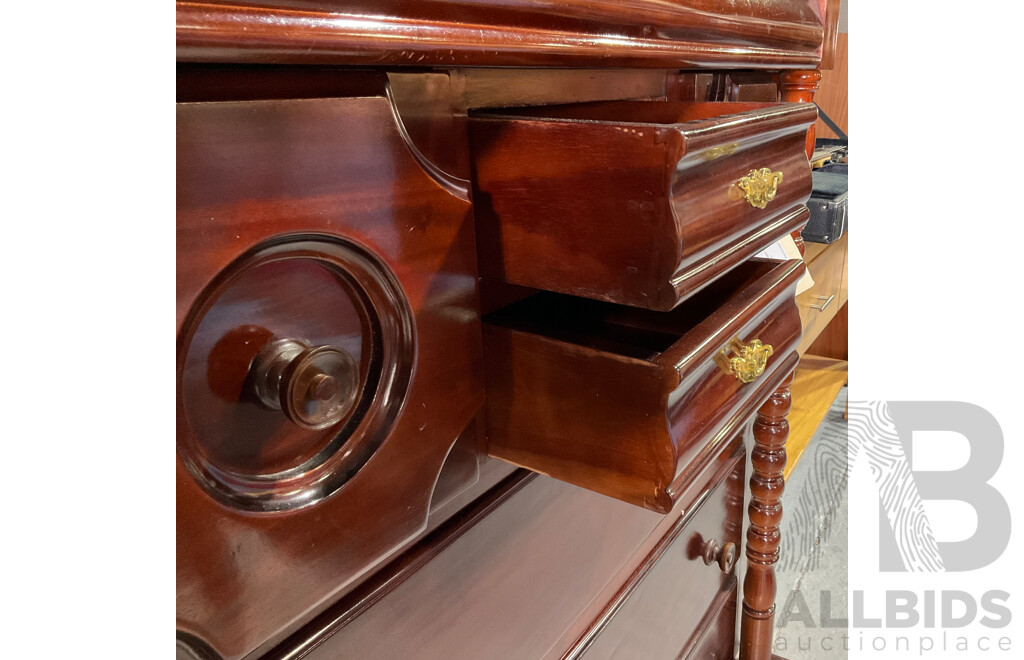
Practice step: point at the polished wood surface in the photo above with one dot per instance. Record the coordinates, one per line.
(767, 459)
(501, 88)
(536, 571)
(630, 402)
(833, 95)
(829, 47)
(421, 552)
(662, 609)
(821, 303)
(800, 87)
(639, 33)
(816, 384)
(374, 588)
(635, 203)
(254, 173)
(719, 639)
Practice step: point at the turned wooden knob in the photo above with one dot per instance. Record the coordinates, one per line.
(314, 386)
(724, 555)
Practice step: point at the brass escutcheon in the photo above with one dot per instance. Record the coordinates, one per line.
(721, 150)
(760, 186)
(749, 361)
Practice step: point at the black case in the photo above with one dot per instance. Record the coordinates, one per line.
(828, 204)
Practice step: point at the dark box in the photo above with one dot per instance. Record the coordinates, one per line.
(828, 204)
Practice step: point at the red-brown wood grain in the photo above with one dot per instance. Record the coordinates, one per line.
(663, 608)
(800, 87)
(627, 402)
(535, 570)
(635, 203)
(719, 638)
(829, 45)
(280, 134)
(607, 33)
(767, 458)
(833, 93)
(255, 170)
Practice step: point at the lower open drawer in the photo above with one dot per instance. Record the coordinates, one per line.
(633, 403)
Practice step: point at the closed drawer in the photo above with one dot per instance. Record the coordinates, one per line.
(683, 602)
(716, 634)
(632, 403)
(538, 569)
(635, 202)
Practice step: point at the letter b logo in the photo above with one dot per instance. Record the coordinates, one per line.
(906, 540)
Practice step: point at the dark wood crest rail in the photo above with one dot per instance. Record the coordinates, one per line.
(608, 33)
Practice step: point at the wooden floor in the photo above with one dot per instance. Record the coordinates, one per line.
(817, 382)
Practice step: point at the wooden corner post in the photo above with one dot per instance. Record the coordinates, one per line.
(767, 458)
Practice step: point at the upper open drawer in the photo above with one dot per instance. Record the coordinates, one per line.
(641, 203)
(634, 403)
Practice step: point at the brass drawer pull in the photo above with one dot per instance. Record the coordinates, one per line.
(821, 308)
(749, 361)
(724, 555)
(760, 186)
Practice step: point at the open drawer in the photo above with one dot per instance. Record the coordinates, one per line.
(633, 403)
(640, 203)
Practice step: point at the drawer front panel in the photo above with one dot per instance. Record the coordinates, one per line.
(679, 598)
(300, 220)
(538, 571)
(637, 203)
(632, 403)
(718, 640)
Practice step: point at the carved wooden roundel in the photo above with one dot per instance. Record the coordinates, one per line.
(292, 368)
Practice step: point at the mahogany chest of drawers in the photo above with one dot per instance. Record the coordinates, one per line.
(475, 359)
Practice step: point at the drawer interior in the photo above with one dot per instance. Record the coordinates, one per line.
(621, 330)
(629, 402)
(632, 112)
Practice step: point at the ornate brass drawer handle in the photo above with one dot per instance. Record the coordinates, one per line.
(760, 186)
(749, 361)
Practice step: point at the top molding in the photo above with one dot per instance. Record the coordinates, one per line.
(768, 34)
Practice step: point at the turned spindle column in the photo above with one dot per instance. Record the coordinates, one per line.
(800, 87)
(767, 458)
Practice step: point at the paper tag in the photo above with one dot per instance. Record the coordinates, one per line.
(784, 250)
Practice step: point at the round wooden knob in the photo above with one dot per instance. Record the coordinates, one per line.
(314, 386)
(724, 555)
(727, 557)
(323, 387)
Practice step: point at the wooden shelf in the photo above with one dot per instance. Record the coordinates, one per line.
(816, 384)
